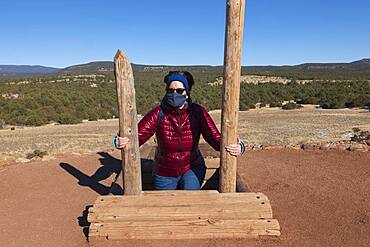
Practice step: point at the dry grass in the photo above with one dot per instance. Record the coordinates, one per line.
(276, 126)
(258, 126)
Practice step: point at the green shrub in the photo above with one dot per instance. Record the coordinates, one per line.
(243, 106)
(276, 104)
(37, 153)
(360, 136)
(291, 106)
(71, 102)
(67, 118)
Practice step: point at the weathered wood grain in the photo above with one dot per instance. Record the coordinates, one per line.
(182, 214)
(231, 90)
(194, 229)
(128, 124)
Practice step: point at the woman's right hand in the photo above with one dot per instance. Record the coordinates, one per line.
(121, 142)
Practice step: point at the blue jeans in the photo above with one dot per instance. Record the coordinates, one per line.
(191, 180)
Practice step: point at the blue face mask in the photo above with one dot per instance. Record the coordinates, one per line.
(174, 99)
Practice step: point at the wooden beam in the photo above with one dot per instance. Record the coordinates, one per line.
(231, 89)
(180, 207)
(182, 215)
(108, 203)
(186, 229)
(128, 124)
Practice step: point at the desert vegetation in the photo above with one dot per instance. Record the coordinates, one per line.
(69, 98)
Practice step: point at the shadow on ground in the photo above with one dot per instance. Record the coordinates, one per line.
(109, 166)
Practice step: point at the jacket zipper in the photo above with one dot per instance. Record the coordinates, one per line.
(179, 146)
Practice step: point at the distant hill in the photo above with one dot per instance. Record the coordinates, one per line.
(89, 67)
(26, 69)
(102, 66)
(360, 67)
(363, 64)
(356, 65)
(355, 70)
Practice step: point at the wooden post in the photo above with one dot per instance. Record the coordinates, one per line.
(231, 88)
(128, 124)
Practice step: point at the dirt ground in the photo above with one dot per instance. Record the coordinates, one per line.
(257, 126)
(320, 199)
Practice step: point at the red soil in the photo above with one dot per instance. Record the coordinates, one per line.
(320, 199)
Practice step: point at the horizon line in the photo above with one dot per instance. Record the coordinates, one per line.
(181, 65)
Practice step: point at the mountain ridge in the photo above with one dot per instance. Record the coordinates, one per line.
(27, 69)
(107, 66)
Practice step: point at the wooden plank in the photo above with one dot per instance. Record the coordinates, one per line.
(231, 90)
(182, 215)
(217, 211)
(125, 207)
(212, 163)
(169, 234)
(128, 124)
(201, 223)
(121, 206)
(184, 234)
(178, 196)
(204, 228)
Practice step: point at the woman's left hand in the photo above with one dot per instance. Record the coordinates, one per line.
(234, 149)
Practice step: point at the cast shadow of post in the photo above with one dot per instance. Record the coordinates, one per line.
(109, 166)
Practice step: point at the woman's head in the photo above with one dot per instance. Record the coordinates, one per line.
(178, 86)
(179, 80)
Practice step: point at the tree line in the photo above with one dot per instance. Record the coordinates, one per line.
(71, 102)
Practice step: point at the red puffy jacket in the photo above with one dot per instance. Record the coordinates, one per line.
(178, 136)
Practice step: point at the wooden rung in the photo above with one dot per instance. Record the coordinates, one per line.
(203, 211)
(218, 211)
(125, 208)
(203, 228)
(258, 224)
(180, 201)
(174, 197)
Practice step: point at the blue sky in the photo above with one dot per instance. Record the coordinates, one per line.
(62, 33)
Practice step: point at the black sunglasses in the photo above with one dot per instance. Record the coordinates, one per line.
(177, 90)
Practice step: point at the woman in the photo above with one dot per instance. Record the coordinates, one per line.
(178, 124)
